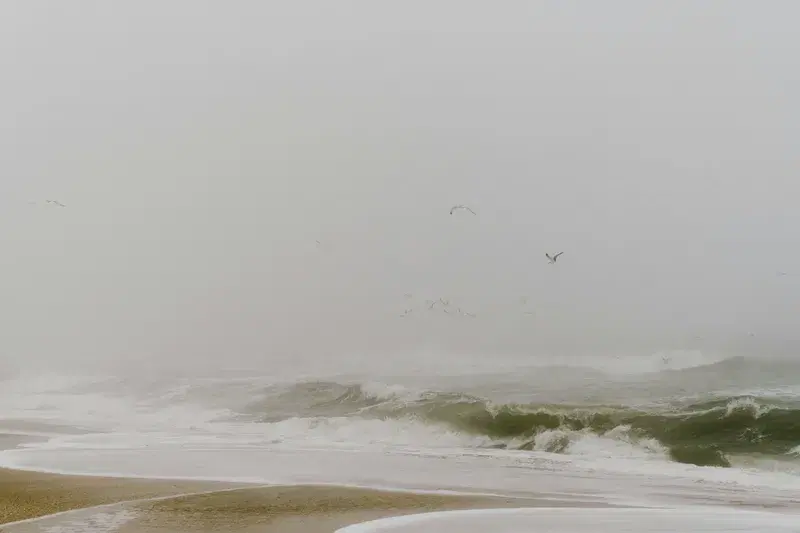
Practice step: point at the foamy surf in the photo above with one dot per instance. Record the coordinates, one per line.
(97, 522)
(560, 520)
(546, 431)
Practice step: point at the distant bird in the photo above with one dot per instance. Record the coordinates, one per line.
(461, 312)
(457, 207)
(405, 313)
(59, 204)
(554, 258)
(783, 273)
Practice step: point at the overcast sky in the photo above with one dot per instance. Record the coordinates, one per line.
(202, 148)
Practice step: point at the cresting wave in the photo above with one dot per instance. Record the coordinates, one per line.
(735, 412)
(708, 433)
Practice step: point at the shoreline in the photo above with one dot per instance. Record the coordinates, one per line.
(30, 500)
(298, 508)
(26, 495)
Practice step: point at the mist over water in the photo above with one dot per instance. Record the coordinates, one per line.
(253, 271)
(734, 411)
(246, 187)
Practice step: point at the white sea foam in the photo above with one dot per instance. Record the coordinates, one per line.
(187, 429)
(617, 443)
(96, 403)
(97, 522)
(749, 404)
(561, 520)
(617, 480)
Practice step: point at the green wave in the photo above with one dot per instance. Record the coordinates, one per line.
(704, 433)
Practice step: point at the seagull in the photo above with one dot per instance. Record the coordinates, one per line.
(59, 204)
(456, 207)
(553, 258)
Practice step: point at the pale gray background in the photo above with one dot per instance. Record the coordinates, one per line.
(201, 149)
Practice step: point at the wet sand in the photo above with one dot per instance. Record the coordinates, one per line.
(298, 509)
(26, 495)
(248, 508)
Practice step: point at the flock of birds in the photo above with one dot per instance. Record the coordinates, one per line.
(439, 305)
(444, 306)
(551, 258)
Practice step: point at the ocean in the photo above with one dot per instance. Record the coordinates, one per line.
(686, 432)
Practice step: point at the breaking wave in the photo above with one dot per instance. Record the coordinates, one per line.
(735, 412)
(707, 433)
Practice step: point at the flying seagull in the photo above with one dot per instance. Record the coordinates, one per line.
(59, 204)
(553, 258)
(457, 207)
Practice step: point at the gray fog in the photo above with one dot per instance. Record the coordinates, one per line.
(247, 183)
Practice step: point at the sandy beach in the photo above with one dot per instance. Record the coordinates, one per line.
(200, 506)
(25, 495)
(307, 509)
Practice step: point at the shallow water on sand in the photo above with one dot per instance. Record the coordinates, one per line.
(582, 521)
